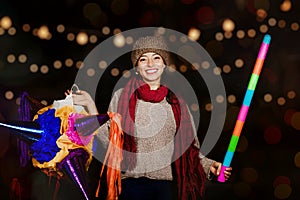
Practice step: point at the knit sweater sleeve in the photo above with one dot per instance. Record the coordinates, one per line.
(204, 161)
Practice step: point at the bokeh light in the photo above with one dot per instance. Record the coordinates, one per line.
(226, 69)
(228, 25)
(268, 97)
(272, 135)
(44, 69)
(6, 22)
(286, 5)
(57, 64)
(9, 95)
(102, 64)
(282, 191)
(295, 121)
(90, 72)
(43, 32)
(281, 101)
(115, 72)
(82, 38)
(239, 63)
(194, 107)
(288, 114)
(69, 62)
(119, 40)
(205, 15)
(281, 180)
(34, 68)
(297, 160)
(194, 34)
(249, 175)
(231, 98)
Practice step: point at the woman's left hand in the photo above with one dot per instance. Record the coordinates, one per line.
(215, 168)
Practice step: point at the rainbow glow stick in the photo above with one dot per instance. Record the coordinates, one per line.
(245, 107)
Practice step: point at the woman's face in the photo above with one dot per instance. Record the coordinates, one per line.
(151, 66)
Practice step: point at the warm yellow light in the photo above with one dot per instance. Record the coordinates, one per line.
(194, 34)
(119, 40)
(82, 38)
(228, 25)
(43, 32)
(6, 22)
(286, 6)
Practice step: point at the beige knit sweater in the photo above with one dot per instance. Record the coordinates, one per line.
(155, 129)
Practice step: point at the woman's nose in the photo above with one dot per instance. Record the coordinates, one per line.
(150, 62)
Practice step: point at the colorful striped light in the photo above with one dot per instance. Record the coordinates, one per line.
(245, 107)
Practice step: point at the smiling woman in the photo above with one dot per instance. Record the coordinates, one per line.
(161, 156)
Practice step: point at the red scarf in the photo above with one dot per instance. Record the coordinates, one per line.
(187, 169)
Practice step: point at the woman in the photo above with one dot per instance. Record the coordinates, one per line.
(162, 159)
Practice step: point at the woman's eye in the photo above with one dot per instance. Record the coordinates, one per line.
(142, 59)
(157, 58)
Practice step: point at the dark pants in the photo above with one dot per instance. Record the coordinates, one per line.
(147, 189)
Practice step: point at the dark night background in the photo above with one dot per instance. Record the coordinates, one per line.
(267, 160)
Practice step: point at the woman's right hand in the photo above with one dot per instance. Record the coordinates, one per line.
(83, 98)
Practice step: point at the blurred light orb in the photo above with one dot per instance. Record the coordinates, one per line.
(26, 27)
(69, 62)
(194, 34)
(297, 159)
(220, 98)
(183, 68)
(228, 25)
(291, 94)
(295, 121)
(205, 15)
(102, 64)
(208, 107)
(6, 22)
(70, 36)
(272, 135)
(281, 101)
(90, 72)
(282, 191)
(249, 175)
(240, 34)
(272, 21)
(2, 31)
(268, 97)
(286, 6)
(239, 63)
(194, 107)
(22, 58)
(57, 64)
(115, 72)
(295, 26)
(119, 40)
(43, 32)
(11, 58)
(44, 69)
(34, 68)
(261, 14)
(9, 95)
(60, 28)
(231, 98)
(82, 38)
(12, 31)
(288, 116)
(281, 180)
(93, 39)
